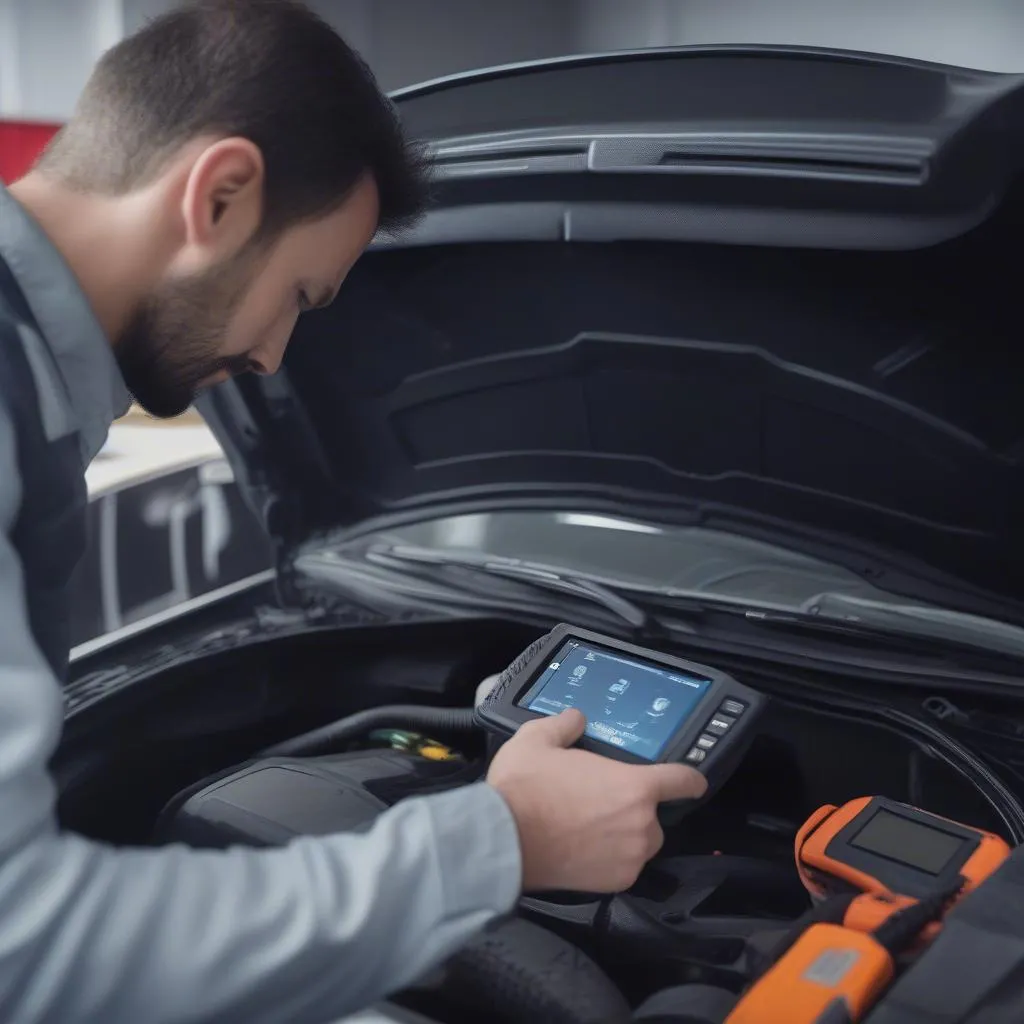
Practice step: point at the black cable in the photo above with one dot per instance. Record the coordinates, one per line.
(903, 927)
(935, 743)
(328, 738)
(830, 911)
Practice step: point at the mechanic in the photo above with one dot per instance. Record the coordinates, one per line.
(222, 172)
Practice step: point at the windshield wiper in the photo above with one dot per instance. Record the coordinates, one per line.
(923, 622)
(926, 630)
(404, 556)
(895, 626)
(889, 629)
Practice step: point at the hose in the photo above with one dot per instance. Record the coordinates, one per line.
(328, 738)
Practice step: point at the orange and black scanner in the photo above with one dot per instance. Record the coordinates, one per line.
(884, 875)
(879, 846)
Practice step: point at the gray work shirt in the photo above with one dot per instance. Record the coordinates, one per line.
(308, 932)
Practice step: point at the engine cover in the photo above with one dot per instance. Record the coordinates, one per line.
(269, 802)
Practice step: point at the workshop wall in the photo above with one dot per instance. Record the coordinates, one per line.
(20, 143)
(48, 47)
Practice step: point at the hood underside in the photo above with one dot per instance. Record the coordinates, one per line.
(770, 291)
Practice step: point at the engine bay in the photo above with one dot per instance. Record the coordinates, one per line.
(198, 754)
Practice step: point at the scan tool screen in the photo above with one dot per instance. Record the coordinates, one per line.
(635, 705)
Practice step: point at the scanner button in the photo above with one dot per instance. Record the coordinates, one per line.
(696, 755)
(732, 707)
(706, 741)
(719, 725)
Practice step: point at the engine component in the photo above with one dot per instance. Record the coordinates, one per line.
(331, 738)
(411, 743)
(686, 1004)
(702, 915)
(517, 972)
(270, 801)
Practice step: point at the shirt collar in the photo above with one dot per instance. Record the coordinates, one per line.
(95, 387)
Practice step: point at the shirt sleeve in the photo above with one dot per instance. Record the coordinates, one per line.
(308, 932)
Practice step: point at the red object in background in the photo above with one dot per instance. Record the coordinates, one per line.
(20, 143)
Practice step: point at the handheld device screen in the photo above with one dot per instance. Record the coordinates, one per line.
(908, 842)
(635, 705)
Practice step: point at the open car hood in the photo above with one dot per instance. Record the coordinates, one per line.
(766, 290)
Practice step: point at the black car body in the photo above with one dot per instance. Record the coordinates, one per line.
(761, 302)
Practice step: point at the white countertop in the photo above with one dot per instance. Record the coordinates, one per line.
(137, 452)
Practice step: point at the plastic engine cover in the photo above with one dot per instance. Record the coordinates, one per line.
(268, 803)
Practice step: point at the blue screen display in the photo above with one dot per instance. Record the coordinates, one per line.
(635, 705)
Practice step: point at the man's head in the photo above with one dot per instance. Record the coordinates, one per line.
(256, 150)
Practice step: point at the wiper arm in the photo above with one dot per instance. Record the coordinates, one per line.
(865, 622)
(925, 623)
(527, 573)
(838, 615)
(878, 635)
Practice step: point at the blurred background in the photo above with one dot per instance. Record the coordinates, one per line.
(167, 525)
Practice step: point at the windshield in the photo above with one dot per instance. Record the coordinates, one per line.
(628, 553)
(673, 562)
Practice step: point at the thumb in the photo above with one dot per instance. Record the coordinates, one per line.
(677, 782)
(561, 730)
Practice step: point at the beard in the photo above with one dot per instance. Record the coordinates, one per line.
(171, 342)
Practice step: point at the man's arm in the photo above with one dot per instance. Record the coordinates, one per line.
(307, 932)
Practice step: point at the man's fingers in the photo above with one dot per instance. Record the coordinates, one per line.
(557, 730)
(676, 782)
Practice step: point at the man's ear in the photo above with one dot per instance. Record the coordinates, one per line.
(222, 206)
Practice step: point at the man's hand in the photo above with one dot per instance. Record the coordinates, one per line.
(586, 822)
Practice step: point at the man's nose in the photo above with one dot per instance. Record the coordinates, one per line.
(266, 362)
(267, 357)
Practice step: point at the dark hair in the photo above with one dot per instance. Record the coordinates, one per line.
(270, 71)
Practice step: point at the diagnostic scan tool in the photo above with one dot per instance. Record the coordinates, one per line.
(879, 846)
(884, 875)
(641, 706)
